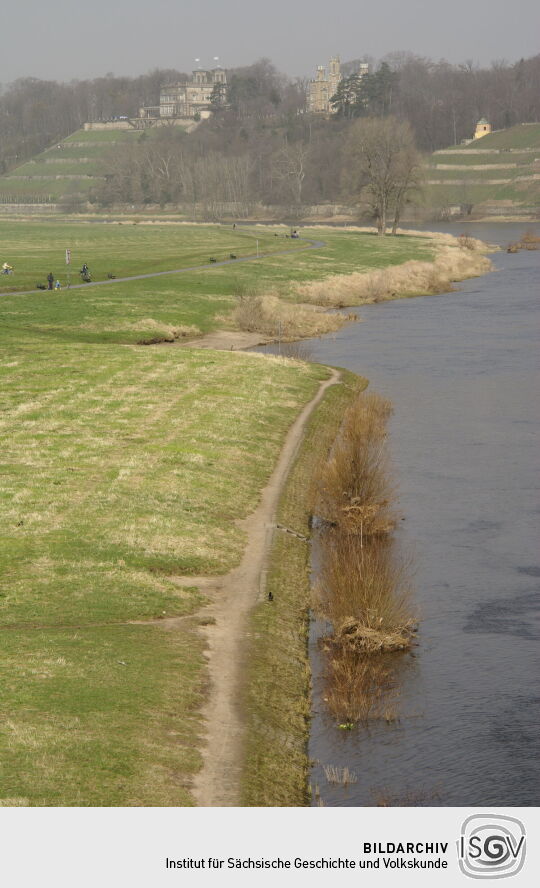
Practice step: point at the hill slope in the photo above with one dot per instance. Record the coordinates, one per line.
(500, 172)
(65, 172)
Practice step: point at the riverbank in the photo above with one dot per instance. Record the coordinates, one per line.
(276, 695)
(127, 469)
(304, 309)
(455, 259)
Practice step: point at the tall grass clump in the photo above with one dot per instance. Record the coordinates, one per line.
(340, 776)
(267, 314)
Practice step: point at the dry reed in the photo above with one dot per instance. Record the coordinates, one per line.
(339, 776)
(363, 588)
(409, 279)
(267, 314)
(359, 688)
(384, 797)
(364, 591)
(353, 489)
(529, 241)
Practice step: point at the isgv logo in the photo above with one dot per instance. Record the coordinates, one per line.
(491, 846)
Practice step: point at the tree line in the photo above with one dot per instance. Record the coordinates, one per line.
(441, 101)
(262, 147)
(373, 163)
(36, 113)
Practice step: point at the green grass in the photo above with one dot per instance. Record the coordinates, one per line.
(524, 193)
(71, 151)
(66, 168)
(524, 135)
(106, 136)
(466, 174)
(26, 189)
(94, 145)
(344, 252)
(35, 248)
(119, 312)
(277, 689)
(122, 468)
(99, 716)
(134, 462)
(465, 160)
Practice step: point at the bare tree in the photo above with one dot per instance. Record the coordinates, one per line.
(381, 157)
(289, 168)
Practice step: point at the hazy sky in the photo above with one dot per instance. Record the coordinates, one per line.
(70, 39)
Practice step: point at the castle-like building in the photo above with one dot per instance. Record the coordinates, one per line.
(187, 99)
(192, 99)
(322, 89)
(324, 86)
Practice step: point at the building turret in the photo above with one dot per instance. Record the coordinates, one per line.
(321, 90)
(483, 128)
(334, 67)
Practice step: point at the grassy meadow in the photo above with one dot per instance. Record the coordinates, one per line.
(193, 302)
(123, 468)
(34, 248)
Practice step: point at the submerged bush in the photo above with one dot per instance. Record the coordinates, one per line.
(363, 588)
(364, 591)
(353, 489)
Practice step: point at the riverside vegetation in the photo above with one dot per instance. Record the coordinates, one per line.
(363, 587)
(263, 296)
(125, 469)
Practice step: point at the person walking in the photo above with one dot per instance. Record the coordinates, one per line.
(50, 280)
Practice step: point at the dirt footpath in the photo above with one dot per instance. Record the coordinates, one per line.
(226, 340)
(234, 595)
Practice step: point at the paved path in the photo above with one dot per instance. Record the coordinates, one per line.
(308, 245)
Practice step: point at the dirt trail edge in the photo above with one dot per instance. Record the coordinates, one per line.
(218, 782)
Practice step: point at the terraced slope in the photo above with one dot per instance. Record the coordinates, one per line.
(500, 171)
(67, 170)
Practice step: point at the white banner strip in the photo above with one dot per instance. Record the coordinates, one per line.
(154, 847)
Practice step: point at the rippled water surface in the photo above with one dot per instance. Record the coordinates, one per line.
(462, 372)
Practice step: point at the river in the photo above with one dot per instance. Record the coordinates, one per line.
(461, 370)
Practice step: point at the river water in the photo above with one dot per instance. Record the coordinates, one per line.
(461, 370)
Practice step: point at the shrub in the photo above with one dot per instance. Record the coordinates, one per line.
(353, 489)
(364, 591)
